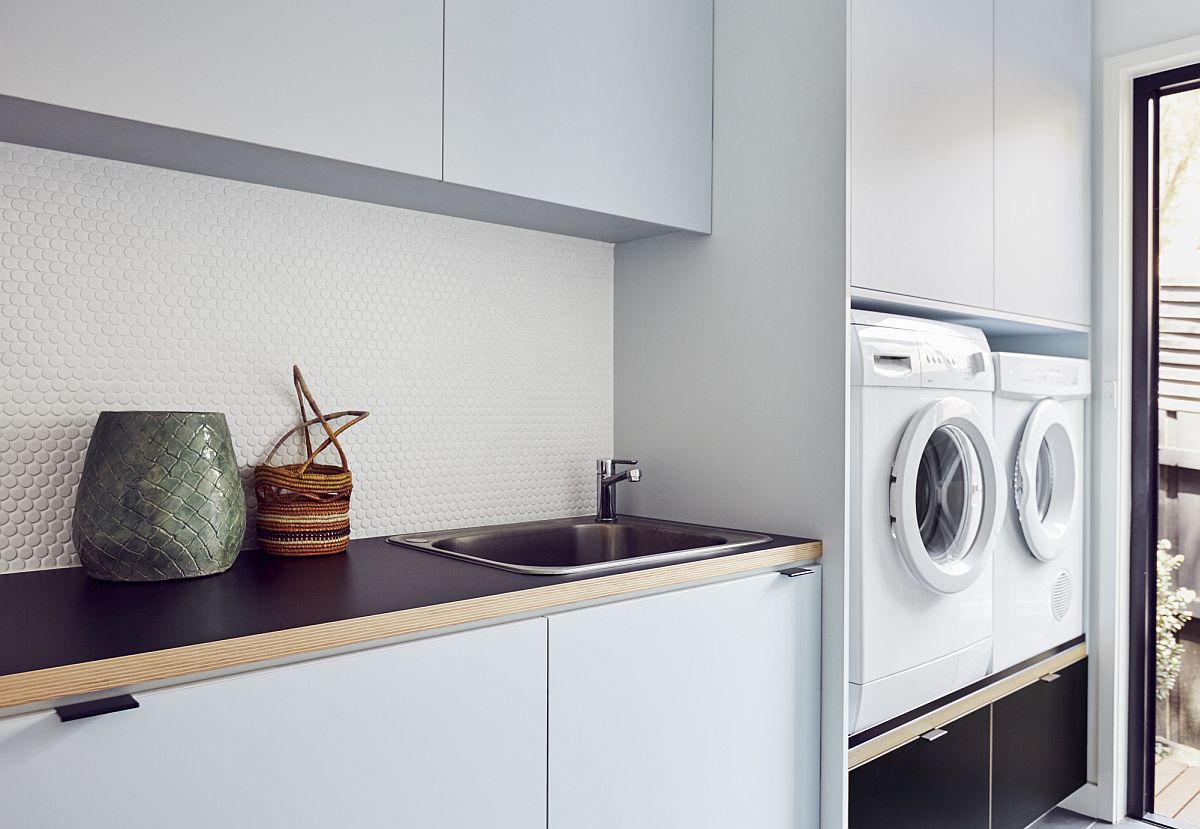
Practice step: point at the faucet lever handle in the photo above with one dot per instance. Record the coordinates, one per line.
(605, 466)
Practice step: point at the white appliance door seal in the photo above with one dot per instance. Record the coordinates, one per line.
(1046, 485)
(947, 492)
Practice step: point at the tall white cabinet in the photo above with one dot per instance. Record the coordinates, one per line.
(446, 732)
(970, 154)
(920, 93)
(1043, 138)
(697, 708)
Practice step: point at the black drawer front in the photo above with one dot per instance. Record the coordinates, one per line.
(943, 783)
(1039, 747)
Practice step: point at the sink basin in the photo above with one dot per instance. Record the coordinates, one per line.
(568, 546)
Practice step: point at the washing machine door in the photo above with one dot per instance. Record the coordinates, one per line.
(1046, 485)
(947, 495)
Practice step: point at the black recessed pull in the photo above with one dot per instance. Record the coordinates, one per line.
(96, 707)
(792, 572)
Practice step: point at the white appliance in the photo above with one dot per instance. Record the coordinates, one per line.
(927, 494)
(1039, 409)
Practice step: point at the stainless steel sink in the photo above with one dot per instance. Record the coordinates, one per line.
(568, 546)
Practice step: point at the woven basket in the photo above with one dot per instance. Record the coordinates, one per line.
(304, 508)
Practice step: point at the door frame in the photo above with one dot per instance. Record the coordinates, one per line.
(1110, 523)
(1148, 91)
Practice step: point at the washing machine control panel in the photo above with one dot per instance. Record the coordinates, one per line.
(955, 363)
(944, 360)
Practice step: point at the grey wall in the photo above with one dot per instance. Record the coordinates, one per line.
(729, 349)
(730, 370)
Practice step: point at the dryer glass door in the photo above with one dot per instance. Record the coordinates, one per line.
(945, 497)
(1046, 481)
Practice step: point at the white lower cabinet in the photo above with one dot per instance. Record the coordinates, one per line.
(445, 733)
(698, 708)
(694, 708)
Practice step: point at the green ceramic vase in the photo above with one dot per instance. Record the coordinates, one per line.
(160, 497)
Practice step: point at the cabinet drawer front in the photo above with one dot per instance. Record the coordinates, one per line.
(446, 732)
(355, 80)
(921, 145)
(1043, 158)
(605, 106)
(695, 708)
(939, 782)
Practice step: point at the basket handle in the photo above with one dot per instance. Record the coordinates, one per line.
(313, 421)
(303, 394)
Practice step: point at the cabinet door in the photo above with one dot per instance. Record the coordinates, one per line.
(1039, 747)
(447, 732)
(1043, 191)
(355, 80)
(927, 783)
(604, 105)
(921, 148)
(695, 708)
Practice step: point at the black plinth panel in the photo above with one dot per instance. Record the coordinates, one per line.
(927, 783)
(1039, 747)
(1001, 767)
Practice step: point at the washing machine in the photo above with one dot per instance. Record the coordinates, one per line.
(927, 495)
(1040, 409)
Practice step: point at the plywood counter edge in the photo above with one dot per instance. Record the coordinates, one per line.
(897, 737)
(49, 684)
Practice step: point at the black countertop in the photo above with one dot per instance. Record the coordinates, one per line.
(53, 618)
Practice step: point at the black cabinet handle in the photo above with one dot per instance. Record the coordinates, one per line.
(792, 572)
(96, 707)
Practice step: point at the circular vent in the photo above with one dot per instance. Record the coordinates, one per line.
(1060, 595)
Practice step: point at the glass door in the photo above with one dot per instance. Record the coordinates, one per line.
(1164, 781)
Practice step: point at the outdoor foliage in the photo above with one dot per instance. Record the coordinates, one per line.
(1173, 612)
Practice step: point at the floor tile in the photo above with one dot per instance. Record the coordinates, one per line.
(1062, 819)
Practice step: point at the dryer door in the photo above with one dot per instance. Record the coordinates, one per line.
(1046, 483)
(946, 496)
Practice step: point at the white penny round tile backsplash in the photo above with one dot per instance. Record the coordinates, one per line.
(484, 353)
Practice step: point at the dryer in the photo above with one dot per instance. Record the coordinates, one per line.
(927, 494)
(1040, 410)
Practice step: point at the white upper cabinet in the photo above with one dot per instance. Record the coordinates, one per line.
(695, 708)
(1043, 112)
(603, 105)
(353, 80)
(446, 732)
(921, 148)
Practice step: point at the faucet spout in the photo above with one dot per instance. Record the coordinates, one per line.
(607, 479)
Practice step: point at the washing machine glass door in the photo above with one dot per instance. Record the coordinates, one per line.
(1045, 482)
(947, 490)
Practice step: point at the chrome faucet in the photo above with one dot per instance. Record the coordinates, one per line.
(607, 479)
